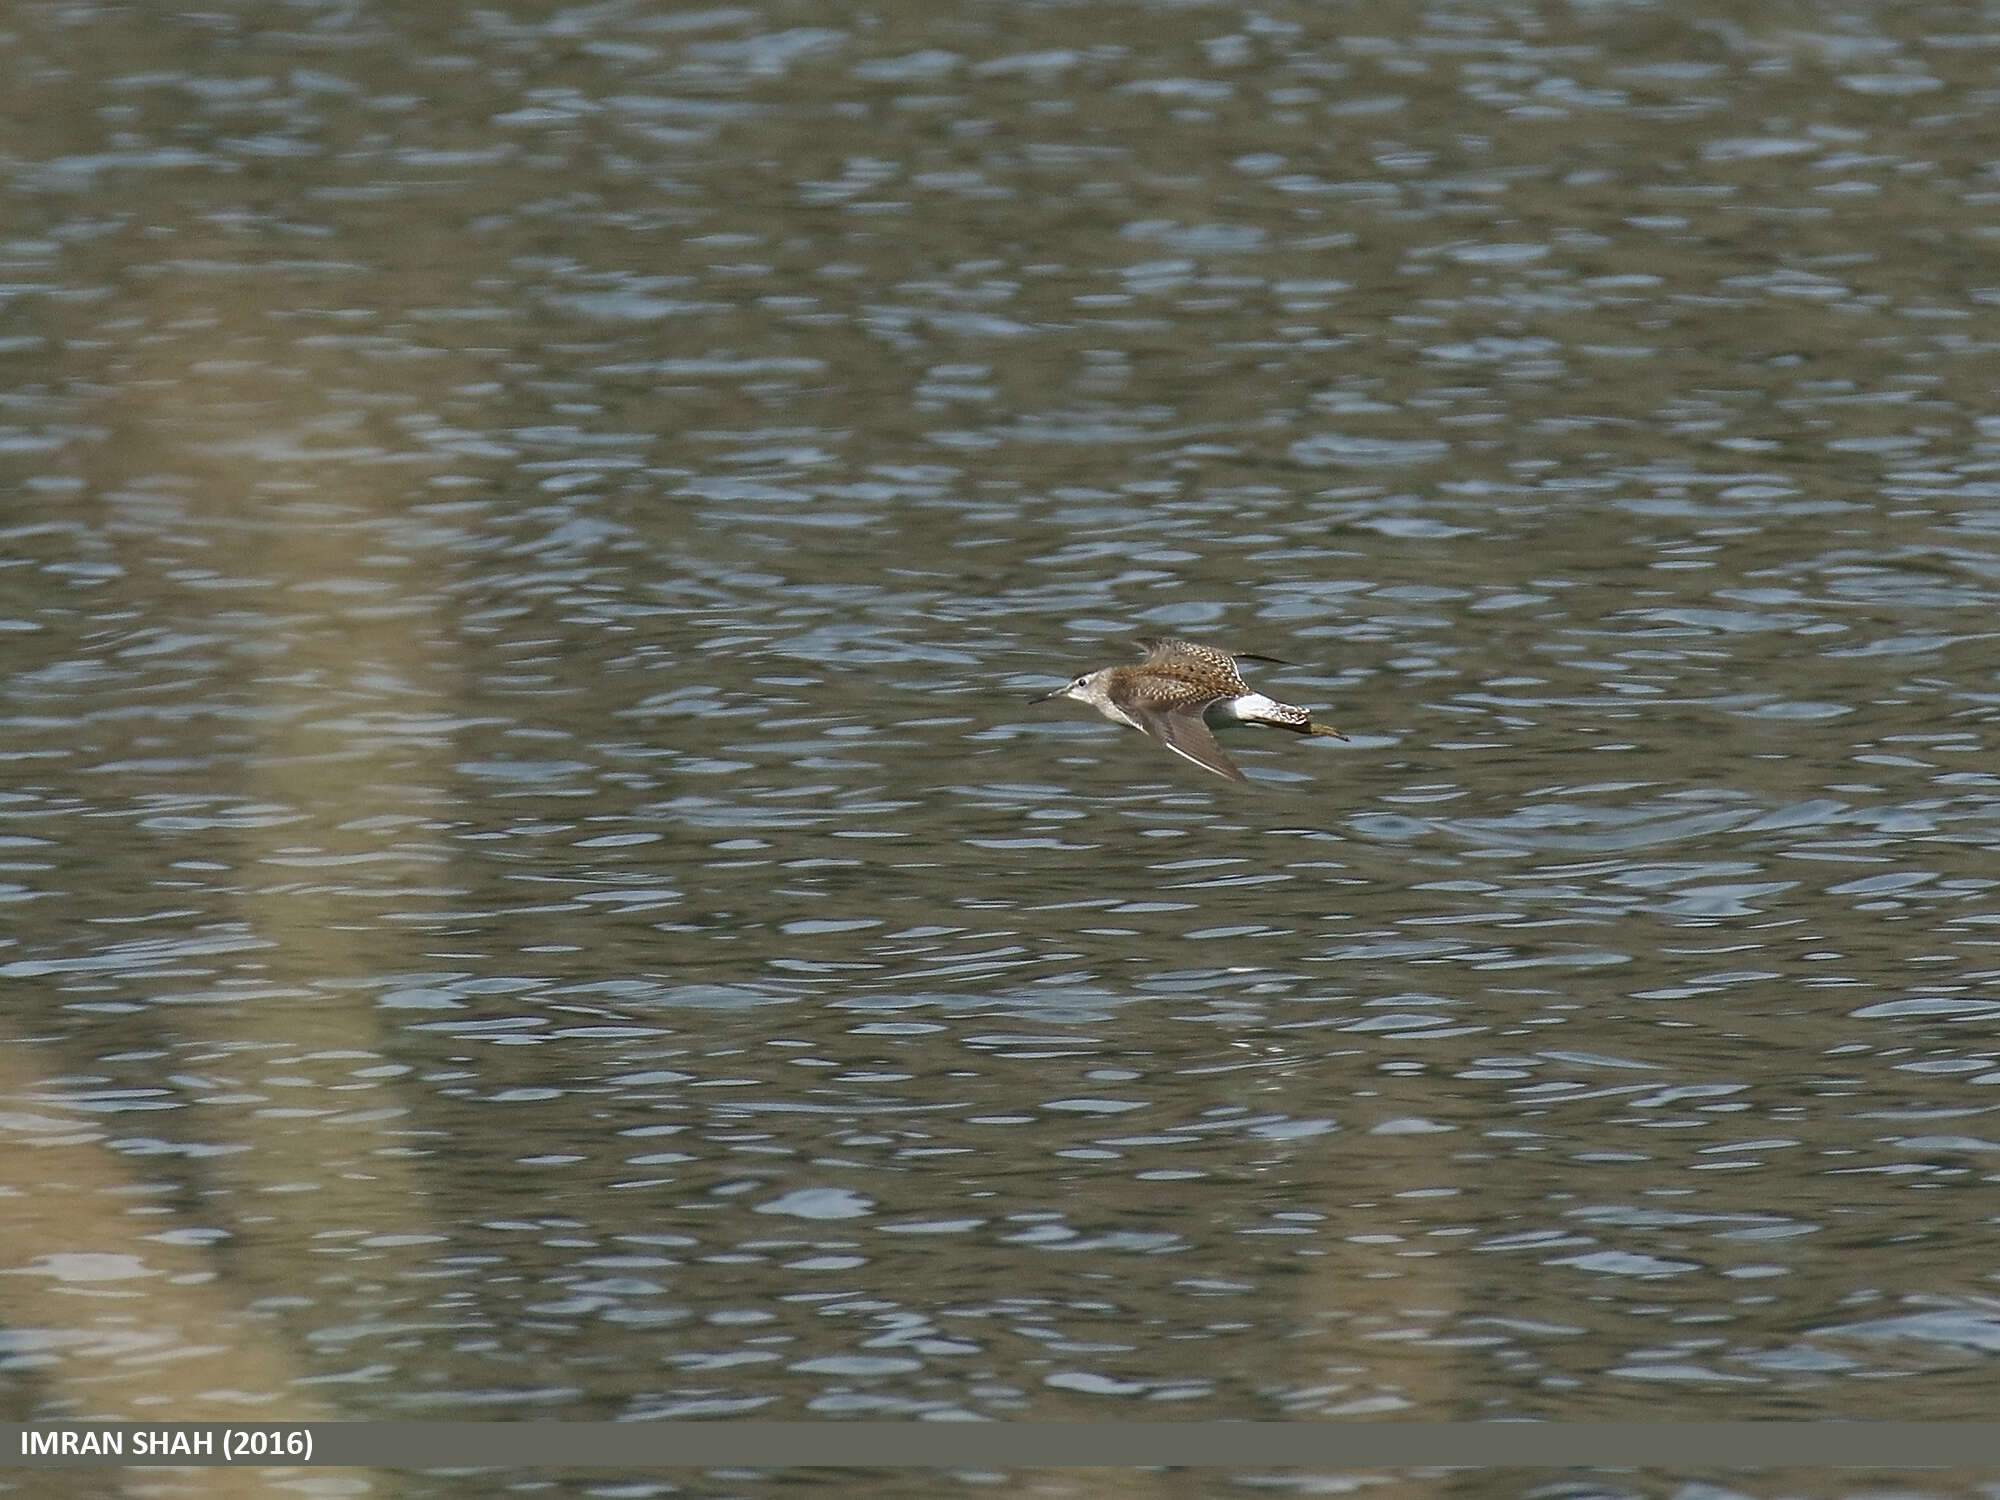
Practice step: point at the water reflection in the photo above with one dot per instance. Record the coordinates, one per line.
(530, 534)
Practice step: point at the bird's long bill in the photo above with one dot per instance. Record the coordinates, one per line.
(1044, 697)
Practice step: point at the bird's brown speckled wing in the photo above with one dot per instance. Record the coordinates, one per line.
(1164, 651)
(1183, 731)
(1206, 670)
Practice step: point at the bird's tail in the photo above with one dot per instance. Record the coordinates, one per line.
(1298, 720)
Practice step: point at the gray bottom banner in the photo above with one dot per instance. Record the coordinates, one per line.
(1677, 1446)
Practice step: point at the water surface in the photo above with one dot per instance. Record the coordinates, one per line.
(539, 894)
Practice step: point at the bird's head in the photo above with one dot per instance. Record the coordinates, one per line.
(1077, 687)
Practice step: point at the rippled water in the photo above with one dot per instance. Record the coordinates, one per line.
(538, 892)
